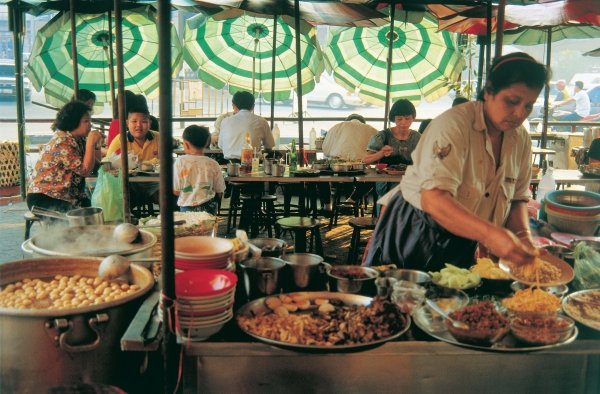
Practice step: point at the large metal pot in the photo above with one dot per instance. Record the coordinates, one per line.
(270, 247)
(75, 217)
(43, 348)
(94, 241)
(261, 276)
(353, 279)
(306, 272)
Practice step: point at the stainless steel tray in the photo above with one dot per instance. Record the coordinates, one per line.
(258, 307)
(422, 319)
(566, 306)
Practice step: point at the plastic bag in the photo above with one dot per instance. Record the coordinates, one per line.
(587, 267)
(108, 195)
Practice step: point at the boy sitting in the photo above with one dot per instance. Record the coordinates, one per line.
(197, 180)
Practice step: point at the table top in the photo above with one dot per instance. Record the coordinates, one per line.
(572, 177)
(535, 150)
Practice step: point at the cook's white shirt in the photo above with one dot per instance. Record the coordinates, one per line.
(456, 155)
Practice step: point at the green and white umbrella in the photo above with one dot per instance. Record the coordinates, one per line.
(51, 62)
(238, 52)
(425, 62)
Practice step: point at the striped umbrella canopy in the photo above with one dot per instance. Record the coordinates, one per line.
(51, 65)
(238, 52)
(425, 62)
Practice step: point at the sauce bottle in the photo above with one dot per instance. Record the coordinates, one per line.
(293, 157)
(246, 156)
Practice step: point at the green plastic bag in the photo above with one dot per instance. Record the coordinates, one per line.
(587, 267)
(108, 195)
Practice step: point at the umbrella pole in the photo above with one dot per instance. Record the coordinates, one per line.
(171, 349)
(122, 115)
(488, 38)
(546, 94)
(16, 24)
(389, 66)
(273, 71)
(480, 65)
(74, 48)
(299, 82)
(500, 27)
(111, 69)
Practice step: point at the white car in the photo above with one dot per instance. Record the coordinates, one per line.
(8, 86)
(329, 93)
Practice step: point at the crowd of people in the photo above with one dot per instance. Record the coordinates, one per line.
(467, 171)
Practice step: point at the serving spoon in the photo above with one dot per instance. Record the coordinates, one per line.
(455, 323)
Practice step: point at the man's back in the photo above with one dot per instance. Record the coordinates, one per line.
(348, 140)
(233, 132)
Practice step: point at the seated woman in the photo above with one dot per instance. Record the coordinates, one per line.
(395, 144)
(145, 144)
(59, 176)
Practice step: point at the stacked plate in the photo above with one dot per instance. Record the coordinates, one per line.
(202, 252)
(204, 302)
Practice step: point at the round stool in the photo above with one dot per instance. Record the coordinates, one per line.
(300, 225)
(234, 204)
(358, 224)
(30, 219)
(257, 212)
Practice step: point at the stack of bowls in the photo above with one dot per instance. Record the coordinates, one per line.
(573, 211)
(202, 252)
(204, 302)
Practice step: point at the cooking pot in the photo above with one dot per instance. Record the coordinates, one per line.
(277, 169)
(353, 279)
(75, 217)
(340, 167)
(261, 276)
(304, 272)
(95, 241)
(270, 247)
(43, 348)
(233, 169)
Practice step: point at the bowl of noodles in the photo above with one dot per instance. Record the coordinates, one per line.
(544, 270)
(532, 302)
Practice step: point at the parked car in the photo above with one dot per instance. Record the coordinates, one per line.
(329, 93)
(8, 85)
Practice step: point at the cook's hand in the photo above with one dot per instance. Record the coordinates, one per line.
(506, 245)
(386, 151)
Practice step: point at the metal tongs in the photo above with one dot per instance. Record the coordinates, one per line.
(48, 213)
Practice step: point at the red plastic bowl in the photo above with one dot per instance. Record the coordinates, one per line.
(204, 282)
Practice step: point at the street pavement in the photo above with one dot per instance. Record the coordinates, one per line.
(12, 230)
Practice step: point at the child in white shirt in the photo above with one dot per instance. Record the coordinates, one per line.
(198, 180)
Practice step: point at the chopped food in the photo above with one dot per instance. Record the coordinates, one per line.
(332, 324)
(539, 271)
(533, 301)
(455, 277)
(486, 268)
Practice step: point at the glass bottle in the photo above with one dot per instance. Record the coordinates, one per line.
(276, 136)
(313, 139)
(246, 155)
(293, 157)
(255, 161)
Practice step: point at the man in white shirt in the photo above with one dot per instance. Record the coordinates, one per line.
(348, 139)
(234, 128)
(582, 104)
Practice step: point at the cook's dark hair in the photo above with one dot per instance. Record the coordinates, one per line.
(514, 68)
(243, 100)
(69, 116)
(402, 107)
(198, 136)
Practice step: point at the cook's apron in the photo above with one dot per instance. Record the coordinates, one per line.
(410, 238)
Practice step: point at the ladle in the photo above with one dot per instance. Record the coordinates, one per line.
(455, 323)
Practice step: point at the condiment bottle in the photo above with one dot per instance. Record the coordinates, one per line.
(276, 136)
(246, 155)
(313, 139)
(255, 161)
(293, 157)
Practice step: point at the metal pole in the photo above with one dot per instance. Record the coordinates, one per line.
(488, 38)
(500, 27)
(122, 114)
(273, 71)
(546, 94)
(169, 346)
(389, 66)
(299, 82)
(111, 68)
(74, 48)
(16, 20)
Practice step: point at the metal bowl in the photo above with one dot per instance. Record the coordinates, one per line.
(415, 276)
(341, 167)
(359, 166)
(353, 279)
(320, 166)
(270, 247)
